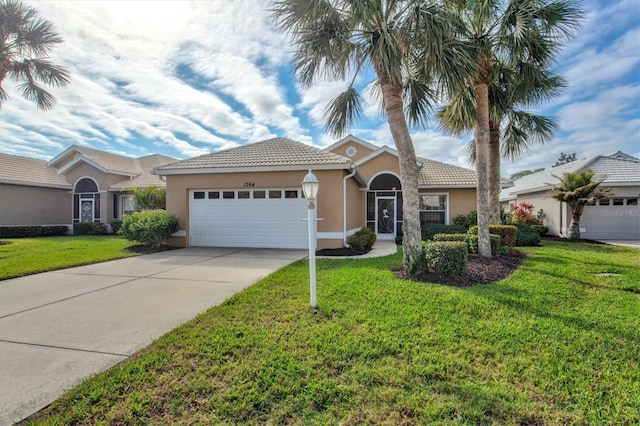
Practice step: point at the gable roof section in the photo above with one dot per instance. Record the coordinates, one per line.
(30, 171)
(146, 177)
(434, 174)
(351, 138)
(103, 161)
(277, 154)
(618, 169)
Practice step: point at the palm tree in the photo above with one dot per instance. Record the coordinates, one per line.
(149, 198)
(26, 40)
(578, 190)
(405, 43)
(525, 32)
(512, 130)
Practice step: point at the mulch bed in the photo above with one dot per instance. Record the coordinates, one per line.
(480, 270)
(345, 251)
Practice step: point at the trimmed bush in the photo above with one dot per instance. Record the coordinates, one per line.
(467, 220)
(447, 257)
(151, 228)
(115, 226)
(430, 229)
(362, 240)
(527, 235)
(496, 245)
(507, 233)
(33, 231)
(90, 228)
(542, 230)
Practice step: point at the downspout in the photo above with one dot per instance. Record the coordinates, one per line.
(344, 205)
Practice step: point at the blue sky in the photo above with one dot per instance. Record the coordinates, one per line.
(186, 78)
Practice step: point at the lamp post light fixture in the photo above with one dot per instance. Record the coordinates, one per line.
(310, 186)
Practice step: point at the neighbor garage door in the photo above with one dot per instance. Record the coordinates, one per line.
(248, 218)
(611, 219)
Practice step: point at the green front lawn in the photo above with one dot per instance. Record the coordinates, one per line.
(553, 344)
(25, 256)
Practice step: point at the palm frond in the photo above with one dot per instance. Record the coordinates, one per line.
(342, 111)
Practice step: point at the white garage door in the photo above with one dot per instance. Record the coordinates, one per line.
(611, 219)
(274, 218)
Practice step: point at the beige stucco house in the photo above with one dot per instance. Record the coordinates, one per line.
(251, 196)
(78, 185)
(614, 218)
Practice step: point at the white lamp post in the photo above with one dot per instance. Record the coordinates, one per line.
(310, 186)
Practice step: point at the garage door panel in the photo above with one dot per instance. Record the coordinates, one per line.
(249, 222)
(610, 223)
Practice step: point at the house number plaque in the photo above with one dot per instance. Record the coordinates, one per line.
(249, 184)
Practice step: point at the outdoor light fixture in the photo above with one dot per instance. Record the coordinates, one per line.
(310, 186)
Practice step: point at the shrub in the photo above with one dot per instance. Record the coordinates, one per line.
(542, 230)
(496, 246)
(430, 229)
(115, 226)
(90, 228)
(527, 236)
(151, 228)
(523, 213)
(33, 231)
(467, 220)
(507, 233)
(362, 240)
(447, 257)
(454, 237)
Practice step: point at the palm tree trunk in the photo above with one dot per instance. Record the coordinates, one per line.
(413, 260)
(574, 227)
(481, 137)
(494, 172)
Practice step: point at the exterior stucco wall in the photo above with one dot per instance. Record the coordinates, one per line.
(31, 205)
(329, 201)
(461, 200)
(384, 162)
(361, 150)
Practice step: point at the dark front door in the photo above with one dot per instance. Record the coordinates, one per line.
(386, 216)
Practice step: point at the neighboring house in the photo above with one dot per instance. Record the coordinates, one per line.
(613, 218)
(251, 196)
(78, 185)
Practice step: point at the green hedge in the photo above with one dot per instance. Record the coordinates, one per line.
(32, 231)
(507, 233)
(90, 228)
(151, 228)
(431, 229)
(362, 240)
(115, 226)
(496, 246)
(447, 257)
(527, 235)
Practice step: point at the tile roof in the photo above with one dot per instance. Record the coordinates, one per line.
(619, 168)
(435, 173)
(29, 171)
(34, 172)
(271, 153)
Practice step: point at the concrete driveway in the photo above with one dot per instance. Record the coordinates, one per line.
(57, 328)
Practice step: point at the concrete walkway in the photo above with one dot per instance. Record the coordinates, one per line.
(57, 328)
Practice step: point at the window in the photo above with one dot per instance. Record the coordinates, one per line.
(198, 195)
(433, 209)
(127, 204)
(291, 194)
(618, 202)
(243, 195)
(258, 194)
(632, 201)
(228, 195)
(214, 195)
(275, 194)
(604, 202)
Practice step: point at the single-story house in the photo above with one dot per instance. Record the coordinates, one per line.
(78, 185)
(614, 218)
(251, 196)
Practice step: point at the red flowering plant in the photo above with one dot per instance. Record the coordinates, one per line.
(523, 213)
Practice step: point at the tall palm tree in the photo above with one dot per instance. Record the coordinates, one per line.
(527, 32)
(512, 130)
(578, 190)
(26, 40)
(405, 43)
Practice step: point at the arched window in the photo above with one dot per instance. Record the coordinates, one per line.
(86, 185)
(385, 181)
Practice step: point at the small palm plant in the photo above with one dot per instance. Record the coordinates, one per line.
(578, 190)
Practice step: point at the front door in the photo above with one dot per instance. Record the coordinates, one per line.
(86, 210)
(386, 217)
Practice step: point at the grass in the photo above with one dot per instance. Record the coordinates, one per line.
(25, 256)
(553, 344)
